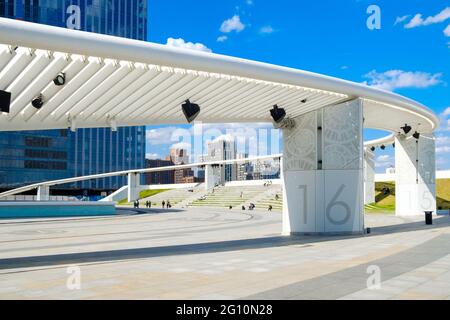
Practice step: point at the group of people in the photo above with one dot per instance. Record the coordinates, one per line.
(148, 204)
(167, 205)
(268, 183)
(136, 204)
(251, 207)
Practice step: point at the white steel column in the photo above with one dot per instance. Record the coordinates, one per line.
(134, 186)
(322, 171)
(43, 193)
(415, 171)
(369, 177)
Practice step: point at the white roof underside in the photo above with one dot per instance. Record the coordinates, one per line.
(115, 81)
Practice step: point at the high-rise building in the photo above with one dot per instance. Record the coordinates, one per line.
(223, 148)
(160, 177)
(179, 156)
(29, 157)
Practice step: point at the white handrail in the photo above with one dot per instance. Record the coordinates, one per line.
(123, 173)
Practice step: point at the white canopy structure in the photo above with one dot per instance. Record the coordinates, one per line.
(112, 82)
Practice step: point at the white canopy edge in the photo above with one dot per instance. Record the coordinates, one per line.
(19, 33)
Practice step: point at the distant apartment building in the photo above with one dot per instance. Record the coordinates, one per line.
(223, 148)
(179, 156)
(162, 177)
(243, 170)
(28, 157)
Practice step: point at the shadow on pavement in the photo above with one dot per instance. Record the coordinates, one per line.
(438, 222)
(200, 248)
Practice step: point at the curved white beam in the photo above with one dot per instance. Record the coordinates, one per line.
(380, 141)
(19, 33)
(123, 173)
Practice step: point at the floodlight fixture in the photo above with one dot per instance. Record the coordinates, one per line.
(190, 110)
(5, 101)
(406, 129)
(278, 114)
(60, 79)
(38, 101)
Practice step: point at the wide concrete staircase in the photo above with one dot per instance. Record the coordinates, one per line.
(222, 197)
(272, 197)
(238, 196)
(177, 197)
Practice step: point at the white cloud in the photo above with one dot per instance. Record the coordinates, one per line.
(444, 118)
(446, 112)
(160, 136)
(182, 145)
(224, 137)
(384, 161)
(416, 21)
(442, 144)
(344, 67)
(383, 158)
(443, 140)
(267, 30)
(249, 2)
(445, 149)
(397, 79)
(222, 38)
(401, 19)
(152, 156)
(447, 31)
(232, 24)
(419, 21)
(180, 43)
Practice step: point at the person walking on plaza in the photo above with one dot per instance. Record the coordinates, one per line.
(163, 204)
(169, 206)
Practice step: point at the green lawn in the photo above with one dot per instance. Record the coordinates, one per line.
(386, 203)
(443, 193)
(144, 194)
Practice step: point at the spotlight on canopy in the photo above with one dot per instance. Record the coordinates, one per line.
(406, 129)
(278, 114)
(190, 110)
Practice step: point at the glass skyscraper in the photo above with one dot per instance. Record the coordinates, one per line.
(33, 156)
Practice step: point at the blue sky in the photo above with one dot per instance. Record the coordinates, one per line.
(410, 54)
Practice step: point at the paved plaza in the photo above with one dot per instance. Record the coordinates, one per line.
(206, 253)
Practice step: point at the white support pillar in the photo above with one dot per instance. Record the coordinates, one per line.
(322, 172)
(369, 177)
(209, 178)
(221, 175)
(134, 186)
(43, 193)
(415, 171)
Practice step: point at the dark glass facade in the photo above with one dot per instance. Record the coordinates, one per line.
(161, 177)
(33, 156)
